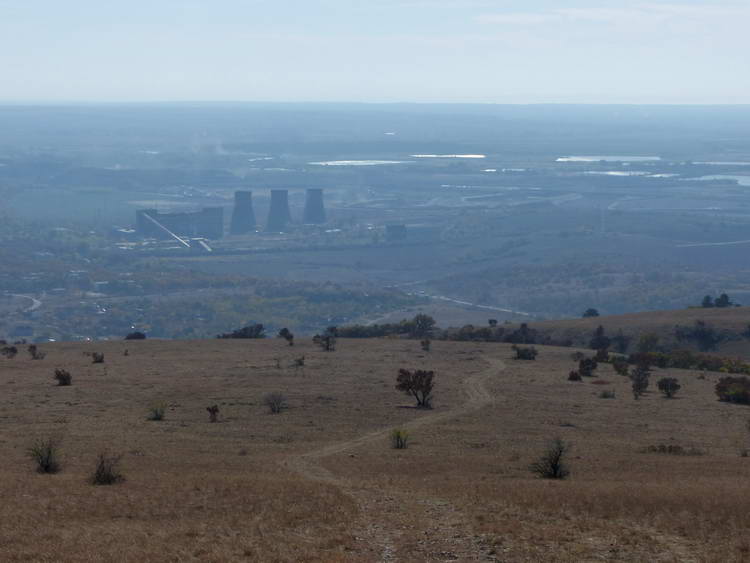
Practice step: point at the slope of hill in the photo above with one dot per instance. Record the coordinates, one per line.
(732, 325)
(320, 482)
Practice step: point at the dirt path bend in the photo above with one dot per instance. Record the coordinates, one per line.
(477, 397)
(375, 530)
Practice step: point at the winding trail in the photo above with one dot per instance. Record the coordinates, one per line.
(376, 526)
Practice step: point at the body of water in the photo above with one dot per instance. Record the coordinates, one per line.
(599, 158)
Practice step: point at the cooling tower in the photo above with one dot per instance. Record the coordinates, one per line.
(315, 213)
(243, 216)
(278, 213)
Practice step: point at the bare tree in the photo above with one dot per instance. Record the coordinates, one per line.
(417, 383)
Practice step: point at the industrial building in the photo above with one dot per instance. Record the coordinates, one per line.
(315, 213)
(206, 223)
(243, 214)
(278, 213)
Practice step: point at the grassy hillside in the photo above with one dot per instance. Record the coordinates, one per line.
(734, 322)
(320, 482)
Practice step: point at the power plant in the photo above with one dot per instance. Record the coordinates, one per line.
(208, 223)
(243, 215)
(278, 213)
(315, 213)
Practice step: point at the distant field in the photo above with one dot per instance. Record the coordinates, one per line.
(319, 481)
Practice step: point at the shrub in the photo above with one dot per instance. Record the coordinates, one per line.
(298, 362)
(399, 439)
(97, 358)
(607, 394)
(639, 378)
(577, 356)
(669, 386)
(529, 353)
(425, 344)
(602, 355)
(45, 453)
(574, 376)
(589, 313)
(734, 390)
(276, 402)
(287, 335)
(620, 365)
(35, 353)
(157, 412)
(418, 383)
(704, 335)
(63, 377)
(107, 471)
(213, 413)
(137, 335)
(586, 367)
(552, 463)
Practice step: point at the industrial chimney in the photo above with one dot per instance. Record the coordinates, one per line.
(278, 213)
(315, 213)
(243, 216)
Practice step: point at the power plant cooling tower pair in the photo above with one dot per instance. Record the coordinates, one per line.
(279, 216)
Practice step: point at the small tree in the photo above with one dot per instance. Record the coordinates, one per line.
(423, 326)
(707, 302)
(639, 377)
(213, 413)
(63, 377)
(723, 301)
(45, 453)
(492, 322)
(648, 343)
(418, 383)
(669, 386)
(574, 376)
(591, 312)
(97, 358)
(425, 344)
(327, 340)
(287, 335)
(276, 402)
(620, 365)
(552, 463)
(599, 340)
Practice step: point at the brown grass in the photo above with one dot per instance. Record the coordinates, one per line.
(235, 490)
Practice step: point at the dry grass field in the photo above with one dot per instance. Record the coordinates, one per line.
(320, 482)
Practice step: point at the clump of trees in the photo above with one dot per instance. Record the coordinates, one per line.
(250, 331)
(721, 301)
(9, 352)
(551, 465)
(417, 383)
(327, 340)
(137, 335)
(589, 313)
(733, 390)
(704, 335)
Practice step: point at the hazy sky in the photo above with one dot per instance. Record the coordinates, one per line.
(508, 51)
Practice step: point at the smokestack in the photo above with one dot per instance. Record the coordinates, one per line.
(315, 212)
(278, 213)
(243, 216)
